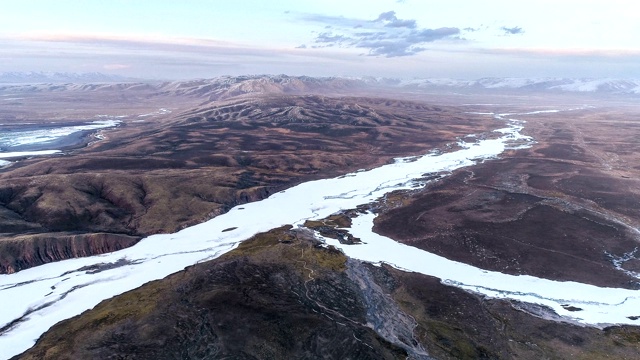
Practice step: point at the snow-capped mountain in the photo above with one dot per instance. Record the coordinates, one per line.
(229, 86)
(608, 86)
(224, 87)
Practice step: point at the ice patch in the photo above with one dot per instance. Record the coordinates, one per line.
(18, 138)
(5, 155)
(161, 111)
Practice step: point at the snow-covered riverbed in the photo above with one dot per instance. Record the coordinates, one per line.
(48, 133)
(42, 139)
(35, 299)
(598, 305)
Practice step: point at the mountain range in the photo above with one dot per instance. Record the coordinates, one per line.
(229, 86)
(31, 77)
(592, 85)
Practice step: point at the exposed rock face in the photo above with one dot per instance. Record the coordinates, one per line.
(281, 295)
(26, 251)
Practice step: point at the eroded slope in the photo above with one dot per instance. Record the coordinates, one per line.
(159, 176)
(566, 209)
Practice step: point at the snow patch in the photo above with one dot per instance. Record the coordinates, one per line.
(6, 155)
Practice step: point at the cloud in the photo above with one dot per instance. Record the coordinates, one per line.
(334, 21)
(429, 35)
(165, 58)
(328, 37)
(386, 35)
(512, 30)
(566, 53)
(197, 58)
(389, 19)
(116, 66)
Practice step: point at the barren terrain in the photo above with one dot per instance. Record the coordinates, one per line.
(161, 172)
(565, 209)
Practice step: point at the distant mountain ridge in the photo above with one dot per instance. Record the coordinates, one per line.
(231, 86)
(583, 85)
(225, 87)
(31, 77)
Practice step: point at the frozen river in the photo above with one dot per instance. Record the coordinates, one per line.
(35, 299)
(20, 140)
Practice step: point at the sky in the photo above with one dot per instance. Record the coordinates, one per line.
(168, 39)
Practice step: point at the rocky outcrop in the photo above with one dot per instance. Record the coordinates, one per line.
(25, 251)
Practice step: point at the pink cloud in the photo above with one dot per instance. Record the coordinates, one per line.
(116, 66)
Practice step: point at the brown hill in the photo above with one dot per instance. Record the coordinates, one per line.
(183, 168)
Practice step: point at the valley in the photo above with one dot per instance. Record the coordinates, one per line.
(548, 197)
(173, 170)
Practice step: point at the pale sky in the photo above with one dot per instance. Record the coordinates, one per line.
(170, 39)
